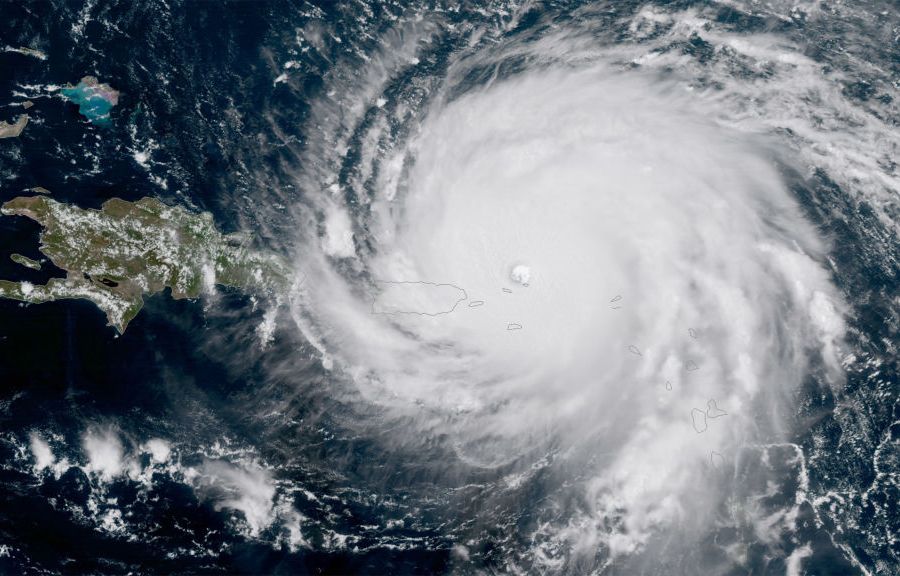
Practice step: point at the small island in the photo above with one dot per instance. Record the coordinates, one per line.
(25, 261)
(25, 51)
(12, 130)
(116, 255)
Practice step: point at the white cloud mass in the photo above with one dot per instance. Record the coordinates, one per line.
(668, 267)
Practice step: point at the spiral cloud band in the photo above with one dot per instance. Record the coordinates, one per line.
(639, 292)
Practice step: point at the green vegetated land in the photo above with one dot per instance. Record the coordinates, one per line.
(116, 255)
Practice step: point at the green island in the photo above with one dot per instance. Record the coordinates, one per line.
(25, 261)
(116, 255)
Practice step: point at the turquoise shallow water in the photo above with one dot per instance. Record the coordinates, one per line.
(93, 103)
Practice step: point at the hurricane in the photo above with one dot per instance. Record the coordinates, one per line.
(572, 288)
(671, 281)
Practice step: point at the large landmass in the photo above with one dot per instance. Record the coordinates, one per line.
(116, 255)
